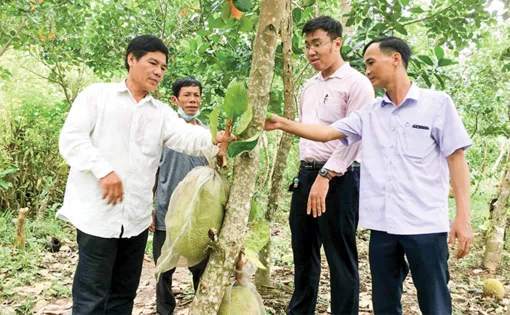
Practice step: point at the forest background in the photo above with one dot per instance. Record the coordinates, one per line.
(51, 49)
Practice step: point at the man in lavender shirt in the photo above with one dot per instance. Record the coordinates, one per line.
(329, 174)
(412, 140)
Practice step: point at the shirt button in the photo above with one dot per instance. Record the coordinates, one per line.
(392, 129)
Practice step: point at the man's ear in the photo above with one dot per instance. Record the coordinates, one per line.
(174, 100)
(396, 58)
(338, 43)
(131, 59)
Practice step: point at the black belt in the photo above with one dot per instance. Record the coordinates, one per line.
(318, 165)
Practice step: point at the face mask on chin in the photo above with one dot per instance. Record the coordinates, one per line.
(185, 116)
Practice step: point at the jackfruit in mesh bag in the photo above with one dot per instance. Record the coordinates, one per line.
(242, 298)
(196, 205)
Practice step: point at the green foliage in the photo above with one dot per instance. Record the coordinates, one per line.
(243, 5)
(236, 100)
(238, 147)
(29, 153)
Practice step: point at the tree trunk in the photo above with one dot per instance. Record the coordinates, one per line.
(496, 235)
(226, 249)
(262, 277)
(345, 7)
(19, 238)
(502, 151)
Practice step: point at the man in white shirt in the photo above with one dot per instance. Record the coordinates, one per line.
(113, 139)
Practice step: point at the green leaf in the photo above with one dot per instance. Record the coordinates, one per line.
(217, 23)
(243, 121)
(246, 24)
(404, 2)
(426, 59)
(439, 52)
(296, 15)
(506, 67)
(400, 28)
(243, 5)
(213, 122)
(258, 236)
(444, 62)
(254, 258)
(366, 22)
(225, 12)
(307, 3)
(440, 80)
(256, 212)
(276, 102)
(238, 147)
(417, 9)
(426, 79)
(236, 99)
(350, 21)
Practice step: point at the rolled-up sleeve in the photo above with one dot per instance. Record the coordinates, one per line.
(351, 127)
(360, 95)
(75, 143)
(449, 131)
(187, 138)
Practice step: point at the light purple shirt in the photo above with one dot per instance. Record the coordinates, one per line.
(404, 173)
(326, 100)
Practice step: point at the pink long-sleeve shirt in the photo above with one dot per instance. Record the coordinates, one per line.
(326, 100)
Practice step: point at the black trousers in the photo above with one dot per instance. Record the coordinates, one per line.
(427, 255)
(108, 274)
(336, 229)
(165, 299)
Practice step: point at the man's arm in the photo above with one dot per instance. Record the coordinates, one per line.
(307, 131)
(75, 145)
(461, 227)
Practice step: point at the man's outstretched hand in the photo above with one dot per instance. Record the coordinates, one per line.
(272, 122)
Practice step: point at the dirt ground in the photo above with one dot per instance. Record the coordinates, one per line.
(465, 285)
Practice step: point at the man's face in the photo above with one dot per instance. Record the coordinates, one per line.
(148, 71)
(320, 50)
(189, 99)
(379, 66)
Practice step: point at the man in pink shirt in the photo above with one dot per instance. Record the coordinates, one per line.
(328, 176)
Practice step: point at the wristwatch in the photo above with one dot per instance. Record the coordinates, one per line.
(324, 173)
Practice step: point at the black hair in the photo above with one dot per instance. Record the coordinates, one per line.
(325, 23)
(392, 44)
(179, 84)
(143, 44)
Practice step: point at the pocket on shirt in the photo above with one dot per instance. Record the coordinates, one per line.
(418, 141)
(333, 109)
(149, 142)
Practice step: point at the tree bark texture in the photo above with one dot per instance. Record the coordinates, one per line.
(262, 277)
(217, 275)
(19, 238)
(496, 235)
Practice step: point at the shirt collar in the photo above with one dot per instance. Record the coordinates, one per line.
(122, 87)
(339, 73)
(413, 94)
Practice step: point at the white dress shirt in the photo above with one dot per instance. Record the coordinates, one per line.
(107, 130)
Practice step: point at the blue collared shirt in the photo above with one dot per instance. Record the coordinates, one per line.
(404, 173)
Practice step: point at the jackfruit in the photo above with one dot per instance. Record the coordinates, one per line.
(196, 205)
(493, 287)
(241, 298)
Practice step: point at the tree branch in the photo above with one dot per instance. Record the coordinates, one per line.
(428, 17)
(9, 42)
